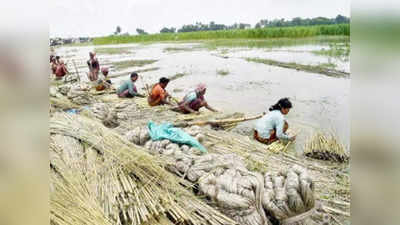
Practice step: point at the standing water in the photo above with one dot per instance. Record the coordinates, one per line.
(237, 85)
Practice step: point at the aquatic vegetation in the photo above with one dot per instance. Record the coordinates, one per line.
(274, 42)
(178, 75)
(180, 49)
(264, 33)
(112, 51)
(133, 63)
(136, 71)
(325, 69)
(223, 72)
(336, 50)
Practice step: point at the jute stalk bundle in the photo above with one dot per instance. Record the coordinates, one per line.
(326, 147)
(127, 185)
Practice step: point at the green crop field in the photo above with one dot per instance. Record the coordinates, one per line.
(264, 33)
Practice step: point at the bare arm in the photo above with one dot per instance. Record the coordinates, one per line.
(210, 108)
(186, 106)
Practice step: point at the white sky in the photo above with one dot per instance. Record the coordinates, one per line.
(72, 18)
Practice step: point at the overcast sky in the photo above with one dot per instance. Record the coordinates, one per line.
(72, 18)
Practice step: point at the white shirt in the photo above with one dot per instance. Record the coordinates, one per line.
(273, 120)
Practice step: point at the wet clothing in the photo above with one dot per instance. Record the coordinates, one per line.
(94, 68)
(60, 70)
(268, 141)
(127, 89)
(273, 123)
(53, 67)
(93, 64)
(157, 95)
(195, 102)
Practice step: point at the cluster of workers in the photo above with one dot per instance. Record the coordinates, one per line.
(191, 103)
(58, 67)
(268, 129)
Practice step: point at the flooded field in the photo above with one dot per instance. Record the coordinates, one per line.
(235, 84)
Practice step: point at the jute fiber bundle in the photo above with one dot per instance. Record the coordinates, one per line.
(122, 184)
(289, 196)
(79, 95)
(64, 89)
(245, 196)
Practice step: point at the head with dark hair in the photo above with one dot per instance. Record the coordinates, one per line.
(52, 58)
(164, 82)
(134, 76)
(284, 105)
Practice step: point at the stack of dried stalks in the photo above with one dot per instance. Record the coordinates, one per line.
(326, 147)
(119, 183)
(62, 103)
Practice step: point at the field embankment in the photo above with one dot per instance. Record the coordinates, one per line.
(264, 33)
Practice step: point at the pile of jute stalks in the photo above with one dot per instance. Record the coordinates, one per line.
(326, 147)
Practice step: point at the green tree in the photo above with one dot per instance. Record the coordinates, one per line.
(118, 30)
(140, 31)
(168, 30)
(341, 19)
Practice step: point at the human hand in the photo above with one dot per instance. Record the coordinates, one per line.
(293, 138)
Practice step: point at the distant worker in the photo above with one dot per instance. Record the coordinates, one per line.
(103, 82)
(128, 88)
(273, 126)
(159, 95)
(194, 100)
(53, 64)
(58, 58)
(61, 70)
(94, 67)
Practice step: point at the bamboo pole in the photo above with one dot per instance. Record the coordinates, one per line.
(77, 72)
(218, 122)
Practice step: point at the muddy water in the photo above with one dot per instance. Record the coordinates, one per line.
(320, 102)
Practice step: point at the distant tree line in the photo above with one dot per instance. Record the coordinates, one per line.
(302, 22)
(205, 27)
(198, 26)
(261, 24)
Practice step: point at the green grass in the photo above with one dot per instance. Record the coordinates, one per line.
(264, 33)
(325, 69)
(132, 63)
(223, 72)
(274, 42)
(112, 51)
(336, 50)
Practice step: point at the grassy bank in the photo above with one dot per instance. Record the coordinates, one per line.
(265, 33)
